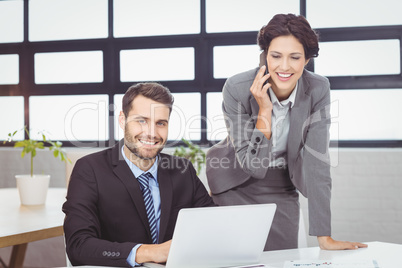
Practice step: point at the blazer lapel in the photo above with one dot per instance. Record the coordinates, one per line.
(298, 123)
(166, 192)
(125, 175)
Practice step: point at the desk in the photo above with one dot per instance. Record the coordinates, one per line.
(20, 225)
(387, 255)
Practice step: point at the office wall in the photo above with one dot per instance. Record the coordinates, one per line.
(366, 197)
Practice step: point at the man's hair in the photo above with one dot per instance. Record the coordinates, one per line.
(289, 24)
(153, 91)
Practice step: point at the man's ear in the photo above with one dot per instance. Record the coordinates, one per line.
(122, 120)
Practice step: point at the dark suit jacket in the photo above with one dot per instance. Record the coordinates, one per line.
(246, 148)
(105, 211)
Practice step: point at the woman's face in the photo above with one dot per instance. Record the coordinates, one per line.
(286, 61)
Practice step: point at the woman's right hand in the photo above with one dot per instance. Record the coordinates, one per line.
(260, 93)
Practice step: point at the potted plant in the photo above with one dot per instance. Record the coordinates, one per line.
(33, 187)
(193, 153)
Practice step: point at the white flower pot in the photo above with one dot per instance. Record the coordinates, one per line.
(33, 190)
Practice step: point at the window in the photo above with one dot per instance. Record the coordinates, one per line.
(75, 59)
(156, 17)
(11, 21)
(157, 64)
(68, 67)
(230, 60)
(231, 16)
(372, 57)
(353, 13)
(12, 119)
(67, 19)
(366, 114)
(215, 121)
(74, 118)
(9, 69)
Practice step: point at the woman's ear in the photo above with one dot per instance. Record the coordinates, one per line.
(307, 61)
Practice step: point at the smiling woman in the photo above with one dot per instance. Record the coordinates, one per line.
(278, 136)
(286, 61)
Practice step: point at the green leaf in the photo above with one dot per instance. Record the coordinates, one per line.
(19, 144)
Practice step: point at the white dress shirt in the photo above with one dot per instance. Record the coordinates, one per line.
(154, 187)
(280, 127)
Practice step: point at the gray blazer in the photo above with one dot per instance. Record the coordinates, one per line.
(245, 152)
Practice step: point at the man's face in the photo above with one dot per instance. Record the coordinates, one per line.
(146, 127)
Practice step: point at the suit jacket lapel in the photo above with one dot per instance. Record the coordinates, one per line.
(166, 192)
(125, 175)
(298, 122)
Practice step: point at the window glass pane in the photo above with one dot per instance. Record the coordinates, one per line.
(345, 13)
(117, 100)
(366, 114)
(216, 124)
(67, 19)
(72, 118)
(12, 119)
(157, 64)
(11, 21)
(358, 58)
(239, 16)
(68, 67)
(9, 71)
(156, 17)
(185, 119)
(230, 60)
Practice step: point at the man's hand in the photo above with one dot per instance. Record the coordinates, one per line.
(153, 253)
(326, 242)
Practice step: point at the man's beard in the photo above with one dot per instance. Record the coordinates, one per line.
(136, 152)
(129, 143)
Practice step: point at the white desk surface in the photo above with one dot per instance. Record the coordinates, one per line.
(387, 255)
(22, 224)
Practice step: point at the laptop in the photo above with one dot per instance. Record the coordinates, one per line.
(227, 236)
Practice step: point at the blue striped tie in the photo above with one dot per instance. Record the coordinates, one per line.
(149, 203)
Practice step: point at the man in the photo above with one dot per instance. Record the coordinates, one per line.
(122, 203)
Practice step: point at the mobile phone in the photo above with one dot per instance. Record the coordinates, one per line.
(263, 61)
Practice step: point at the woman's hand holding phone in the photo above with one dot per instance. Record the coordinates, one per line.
(259, 89)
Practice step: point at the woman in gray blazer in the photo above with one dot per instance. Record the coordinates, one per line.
(278, 122)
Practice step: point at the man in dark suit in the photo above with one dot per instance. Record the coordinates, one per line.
(112, 219)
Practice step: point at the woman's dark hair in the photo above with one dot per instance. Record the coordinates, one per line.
(290, 24)
(153, 91)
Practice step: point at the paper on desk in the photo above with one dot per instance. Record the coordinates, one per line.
(332, 264)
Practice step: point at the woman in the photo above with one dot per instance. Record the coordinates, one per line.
(278, 136)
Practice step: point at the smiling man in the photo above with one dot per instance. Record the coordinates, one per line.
(122, 203)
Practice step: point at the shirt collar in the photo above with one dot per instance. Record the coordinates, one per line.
(136, 170)
(290, 99)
